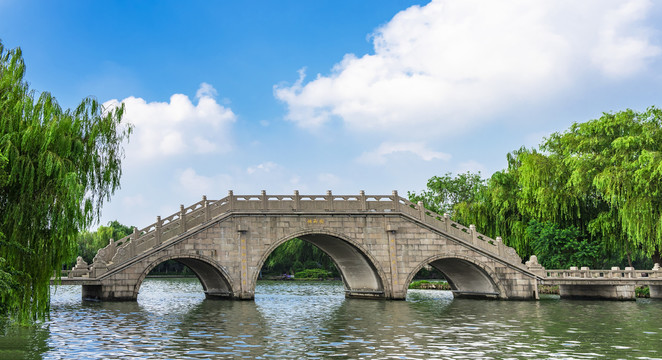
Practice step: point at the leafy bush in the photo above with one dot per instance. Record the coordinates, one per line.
(560, 248)
(642, 291)
(425, 284)
(312, 274)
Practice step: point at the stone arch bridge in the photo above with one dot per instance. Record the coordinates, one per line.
(378, 243)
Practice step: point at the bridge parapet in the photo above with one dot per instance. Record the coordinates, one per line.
(614, 273)
(166, 229)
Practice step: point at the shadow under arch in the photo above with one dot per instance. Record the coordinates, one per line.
(358, 269)
(214, 279)
(467, 277)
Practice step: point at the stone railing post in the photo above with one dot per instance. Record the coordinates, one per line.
(629, 272)
(134, 242)
(500, 247)
(231, 200)
(157, 230)
(615, 272)
(329, 200)
(474, 235)
(297, 200)
(585, 272)
(182, 219)
(205, 207)
(447, 221)
(396, 201)
(364, 205)
(421, 211)
(263, 196)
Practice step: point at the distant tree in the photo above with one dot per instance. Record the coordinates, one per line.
(90, 242)
(445, 192)
(597, 185)
(61, 166)
(603, 176)
(295, 255)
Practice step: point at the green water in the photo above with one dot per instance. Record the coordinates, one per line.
(313, 320)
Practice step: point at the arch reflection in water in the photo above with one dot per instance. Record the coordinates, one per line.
(297, 314)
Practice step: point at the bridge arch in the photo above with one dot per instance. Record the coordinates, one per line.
(466, 276)
(359, 270)
(216, 282)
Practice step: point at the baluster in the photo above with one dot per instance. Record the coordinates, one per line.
(447, 221)
(182, 219)
(329, 200)
(206, 208)
(396, 201)
(421, 211)
(157, 232)
(297, 201)
(265, 205)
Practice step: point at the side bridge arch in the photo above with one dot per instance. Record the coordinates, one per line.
(467, 276)
(215, 280)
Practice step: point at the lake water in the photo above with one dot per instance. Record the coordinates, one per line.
(313, 320)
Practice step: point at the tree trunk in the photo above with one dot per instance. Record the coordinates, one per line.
(656, 257)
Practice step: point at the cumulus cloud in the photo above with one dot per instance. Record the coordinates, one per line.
(195, 184)
(164, 129)
(449, 65)
(381, 154)
(265, 167)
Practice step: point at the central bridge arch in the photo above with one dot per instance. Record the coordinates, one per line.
(358, 269)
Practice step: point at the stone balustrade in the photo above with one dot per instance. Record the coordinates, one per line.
(614, 273)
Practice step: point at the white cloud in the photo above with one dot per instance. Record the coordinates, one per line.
(447, 66)
(195, 184)
(206, 91)
(164, 129)
(329, 180)
(380, 155)
(133, 201)
(265, 167)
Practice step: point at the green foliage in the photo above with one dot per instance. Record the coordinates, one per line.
(433, 285)
(561, 248)
(61, 165)
(601, 178)
(312, 274)
(605, 177)
(642, 291)
(296, 255)
(171, 268)
(444, 192)
(90, 242)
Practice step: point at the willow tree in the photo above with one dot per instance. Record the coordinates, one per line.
(495, 210)
(62, 164)
(598, 184)
(606, 175)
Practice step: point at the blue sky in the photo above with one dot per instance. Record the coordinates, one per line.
(332, 95)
